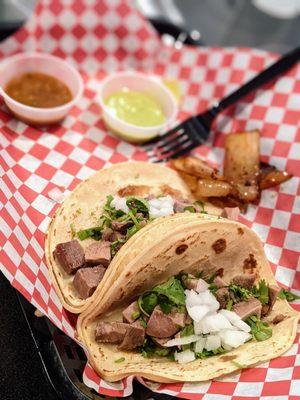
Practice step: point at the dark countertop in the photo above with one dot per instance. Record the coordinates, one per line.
(21, 371)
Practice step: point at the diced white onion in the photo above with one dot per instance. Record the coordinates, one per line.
(199, 345)
(161, 207)
(198, 312)
(184, 356)
(182, 341)
(201, 286)
(236, 320)
(119, 203)
(233, 338)
(214, 323)
(213, 342)
(203, 298)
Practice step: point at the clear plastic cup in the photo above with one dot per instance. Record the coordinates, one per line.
(140, 82)
(43, 63)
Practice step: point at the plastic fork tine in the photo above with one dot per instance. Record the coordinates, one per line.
(179, 153)
(176, 144)
(171, 139)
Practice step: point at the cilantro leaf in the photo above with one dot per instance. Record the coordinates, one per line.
(173, 290)
(240, 292)
(259, 329)
(261, 292)
(139, 204)
(147, 303)
(287, 295)
(188, 330)
(94, 233)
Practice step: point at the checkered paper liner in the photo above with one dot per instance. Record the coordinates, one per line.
(99, 37)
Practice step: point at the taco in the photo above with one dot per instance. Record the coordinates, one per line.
(199, 302)
(93, 232)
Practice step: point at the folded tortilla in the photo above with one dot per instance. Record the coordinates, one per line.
(83, 207)
(187, 243)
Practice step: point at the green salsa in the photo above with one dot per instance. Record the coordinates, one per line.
(135, 108)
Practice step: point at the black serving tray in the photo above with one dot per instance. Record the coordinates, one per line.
(63, 361)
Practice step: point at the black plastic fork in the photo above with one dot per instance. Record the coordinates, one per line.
(195, 130)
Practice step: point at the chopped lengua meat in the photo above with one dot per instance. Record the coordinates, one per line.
(86, 280)
(134, 337)
(70, 256)
(247, 308)
(163, 325)
(219, 282)
(98, 253)
(273, 293)
(244, 280)
(131, 313)
(223, 296)
(110, 332)
(121, 226)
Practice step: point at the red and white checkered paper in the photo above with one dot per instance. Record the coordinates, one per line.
(99, 37)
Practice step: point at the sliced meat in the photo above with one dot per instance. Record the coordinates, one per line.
(116, 236)
(131, 313)
(161, 342)
(107, 234)
(179, 205)
(86, 280)
(110, 332)
(278, 318)
(231, 213)
(223, 296)
(70, 256)
(134, 337)
(247, 308)
(143, 223)
(162, 325)
(273, 293)
(98, 253)
(121, 226)
(244, 280)
(218, 281)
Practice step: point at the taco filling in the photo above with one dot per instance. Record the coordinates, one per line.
(189, 317)
(121, 219)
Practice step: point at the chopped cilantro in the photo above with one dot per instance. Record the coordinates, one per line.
(173, 290)
(240, 292)
(147, 303)
(139, 204)
(261, 292)
(229, 305)
(259, 329)
(190, 209)
(188, 330)
(201, 205)
(164, 304)
(287, 295)
(208, 353)
(94, 233)
(120, 360)
(135, 315)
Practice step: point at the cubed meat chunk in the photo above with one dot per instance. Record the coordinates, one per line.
(247, 308)
(70, 256)
(106, 235)
(273, 293)
(121, 226)
(231, 213)
(86, 280)
(98, 253)
(131, 313)
(134, 337)
(223, 296)
(110, 332)
(219, 282)
(245, 280)
(162, 325)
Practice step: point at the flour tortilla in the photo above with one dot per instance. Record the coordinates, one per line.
(84, 206)
(159, 261)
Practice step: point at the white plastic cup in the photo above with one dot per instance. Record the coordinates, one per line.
(140, 82)
(23, 63)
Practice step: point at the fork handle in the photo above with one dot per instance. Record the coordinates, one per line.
(280, 66)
